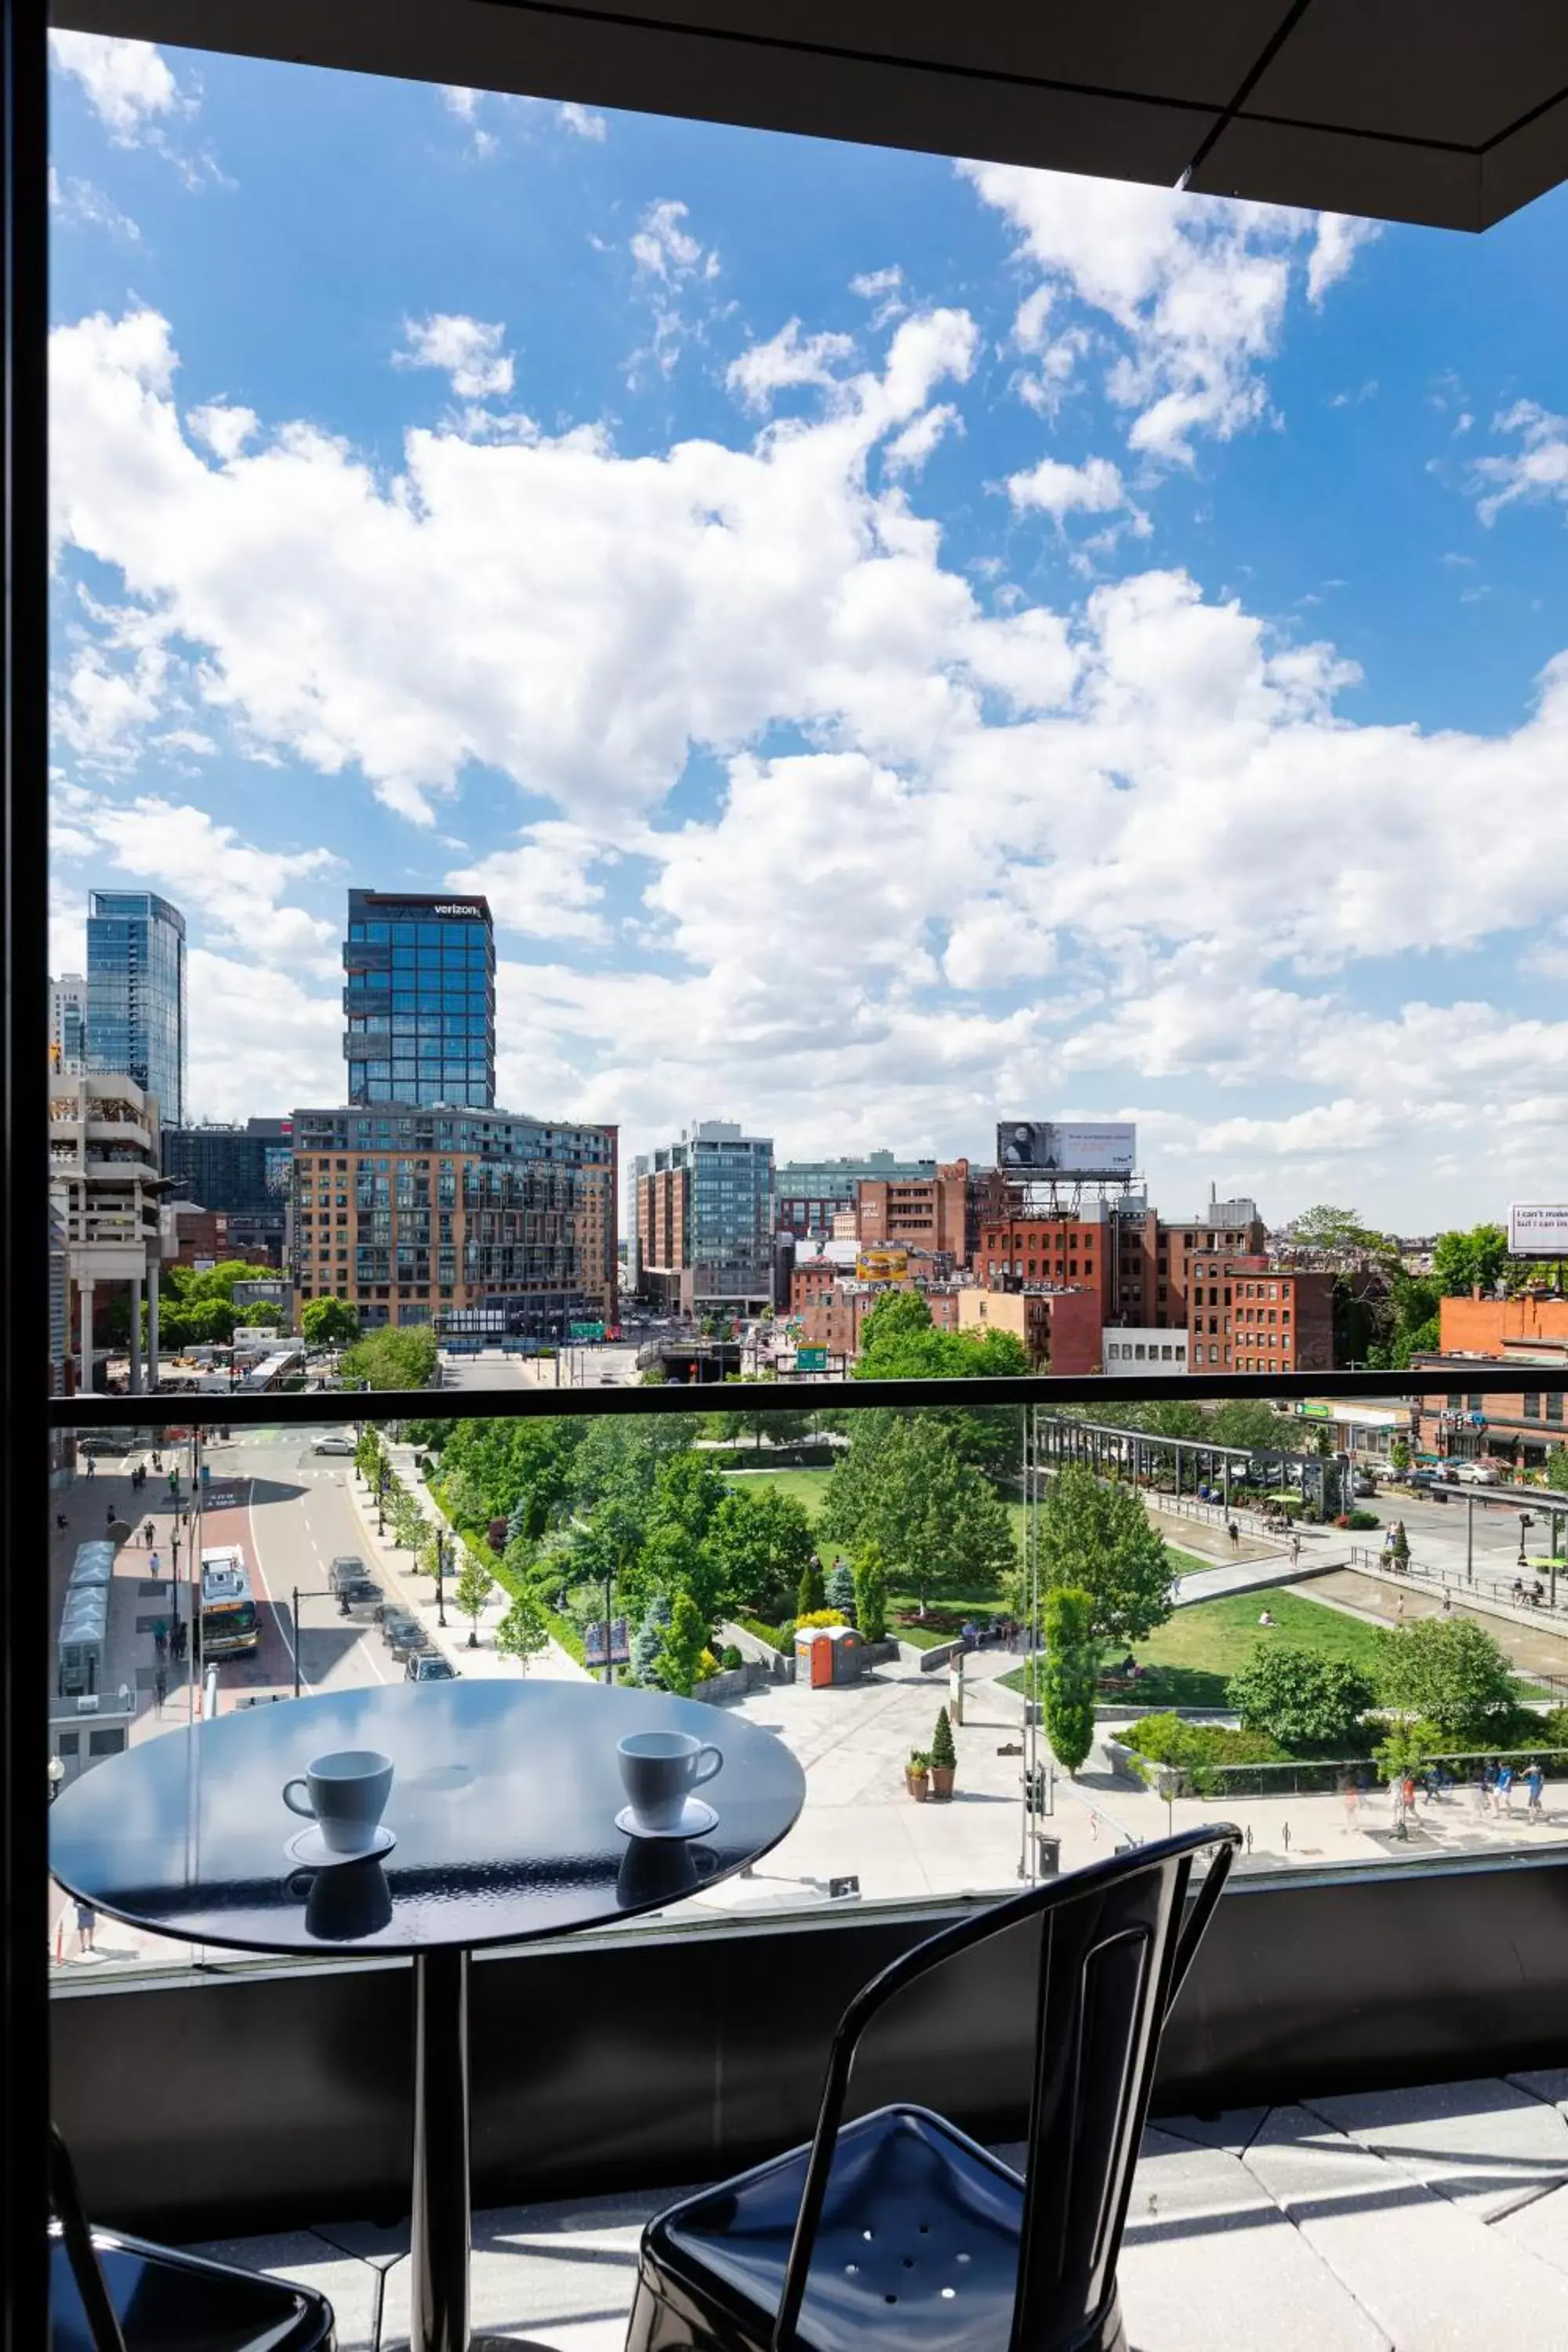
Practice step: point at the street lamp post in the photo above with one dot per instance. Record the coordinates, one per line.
(381, 1498)
(440, 1577)
(175, 1548)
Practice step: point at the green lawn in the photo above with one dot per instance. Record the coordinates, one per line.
(807, 1487)
(1193, 1654)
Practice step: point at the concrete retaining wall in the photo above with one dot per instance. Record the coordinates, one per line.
(734, 1682)
(932, 1661)
(755, 1650)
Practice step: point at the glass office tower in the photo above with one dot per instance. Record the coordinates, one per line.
(419, 1001)
(136, 995)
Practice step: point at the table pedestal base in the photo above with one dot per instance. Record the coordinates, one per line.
(439, 2231)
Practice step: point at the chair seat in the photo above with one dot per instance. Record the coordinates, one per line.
(170, 2302)
(919, 2241)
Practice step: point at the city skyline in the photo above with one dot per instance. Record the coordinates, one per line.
(1015, 646)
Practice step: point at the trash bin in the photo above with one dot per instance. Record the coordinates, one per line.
(1049, 1851)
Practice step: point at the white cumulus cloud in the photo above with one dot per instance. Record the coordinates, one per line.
(467, 349)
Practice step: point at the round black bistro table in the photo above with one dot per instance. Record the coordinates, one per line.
(503, 1805)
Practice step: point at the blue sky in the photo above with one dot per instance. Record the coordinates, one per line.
(901, 642)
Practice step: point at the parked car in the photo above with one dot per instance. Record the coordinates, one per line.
(1364, 1487)
(1472, 1474)
(363, 1598)
(402, 1633)
(347, 1568)
(429, 1668)
(333, 1444)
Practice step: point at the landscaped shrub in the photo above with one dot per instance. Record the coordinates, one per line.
(1362, 1519)
(819, 1617)
(1168, 1739)
(732, 1658)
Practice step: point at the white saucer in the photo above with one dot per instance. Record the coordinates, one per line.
(697, 1818)
(311, 1849)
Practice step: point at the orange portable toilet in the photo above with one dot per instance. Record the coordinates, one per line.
(821, 1664)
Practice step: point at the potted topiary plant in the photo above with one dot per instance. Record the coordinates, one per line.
(916, 1775)
(943, 1756)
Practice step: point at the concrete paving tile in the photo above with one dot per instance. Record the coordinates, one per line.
(1487, 2144)
(1540, 2227)
(1543, 2083)
(1430, 2275)
(564, 2271)
(1232, 2129)
(1207, 2253)
(303, 2257)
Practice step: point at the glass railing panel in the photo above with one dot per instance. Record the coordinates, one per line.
(1120, 1633)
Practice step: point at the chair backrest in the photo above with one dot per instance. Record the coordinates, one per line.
(103, 2322)
(1115, 1942)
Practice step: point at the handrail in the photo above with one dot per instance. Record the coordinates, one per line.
(1047, 1390)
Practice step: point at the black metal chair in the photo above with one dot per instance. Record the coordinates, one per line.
(900, 2225)
(114, 2294)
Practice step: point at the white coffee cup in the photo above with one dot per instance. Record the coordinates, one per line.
(660, 1771)
(345, 1796)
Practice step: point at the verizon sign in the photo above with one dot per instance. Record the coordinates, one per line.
(1538, 1229)
(458, 907)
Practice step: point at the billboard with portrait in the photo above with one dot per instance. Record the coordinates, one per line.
(1052, 1148)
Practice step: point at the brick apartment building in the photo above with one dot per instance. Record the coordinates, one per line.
(1246, 1314)
(928, 1214)
(834, 1318)
(1515, 1424)
(470, 1220)
(1152, 1259)
(811, 1192)
(1060, 1328)
(1047, 1250)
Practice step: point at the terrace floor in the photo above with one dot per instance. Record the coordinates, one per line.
(1414, 2221)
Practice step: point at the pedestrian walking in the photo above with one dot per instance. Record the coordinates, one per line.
(86, 1925)
(1491, 1780)
(59, 1523)
(1448, 1601)
(1534, 1790)
(1295, 1552)
(1233, 1532)
(91, 1467)
(1478, 1789)
(160, 1640)
(1408, 1791)
(177, 1638)
(1505, 1789)
(127, 1699)
(153, 1565)
(147, 1534)
(1349, 1797)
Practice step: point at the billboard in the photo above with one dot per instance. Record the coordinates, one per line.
(1106, 1148)
(1538, 1229)
(883, 1265)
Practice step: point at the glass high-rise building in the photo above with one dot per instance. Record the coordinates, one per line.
(136, 995)
(419, 1001)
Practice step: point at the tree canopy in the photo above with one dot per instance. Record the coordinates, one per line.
(1298, 1697)
(397, 1356)
(900, 1342)
(1070, 1674)
(327, 1322)
(1451, 1672)
(904, 1486)
(1095, 1536)
(1460, 1260)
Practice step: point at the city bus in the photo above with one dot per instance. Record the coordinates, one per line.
(229, 1607)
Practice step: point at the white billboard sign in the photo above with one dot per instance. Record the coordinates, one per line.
(1538, 1229)
(1102, 1148)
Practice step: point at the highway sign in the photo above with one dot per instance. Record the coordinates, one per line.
(590, 1333)
(811, 1359)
